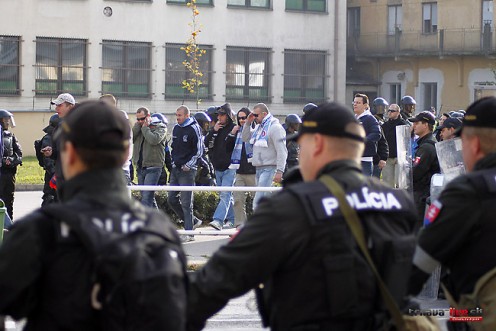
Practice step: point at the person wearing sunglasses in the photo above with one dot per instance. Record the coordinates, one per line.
(390, 170)
(148, 152)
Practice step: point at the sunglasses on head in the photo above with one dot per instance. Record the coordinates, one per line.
(242, 118)
(141, 119)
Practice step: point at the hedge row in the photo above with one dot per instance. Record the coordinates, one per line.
(204, 204)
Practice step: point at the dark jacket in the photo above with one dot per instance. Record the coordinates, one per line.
(245, 167)
(389, 129)
(187, 144)
(308, 263)
(425, 164)
(12, 152)
(46, 276)
(462, 230)
(220, 147)
(372, 134)
(382, 150)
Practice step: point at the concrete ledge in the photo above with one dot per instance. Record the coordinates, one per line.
(29, 187)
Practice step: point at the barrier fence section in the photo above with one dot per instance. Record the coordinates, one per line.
(205, 189)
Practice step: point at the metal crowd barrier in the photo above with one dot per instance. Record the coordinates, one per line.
(226, 232)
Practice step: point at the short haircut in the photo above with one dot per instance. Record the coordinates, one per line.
(143, 110)
(109, 97)
(184, 109)
(365, 98)
(487, 137)
(262, 106)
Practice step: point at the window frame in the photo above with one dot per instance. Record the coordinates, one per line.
(126, 71)
(185, 94)
(398, 16)
(428, 26)
(353, 26)
(248, 5)
(304, 89)
(184, 2)
(266, 74)
(17, 65)
(59, 81)
(395, 93)
(429, 91)
(305, 5)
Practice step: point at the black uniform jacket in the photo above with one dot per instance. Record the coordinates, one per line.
(281, 248)
(461, 230)
(425, 164)
(44, 275)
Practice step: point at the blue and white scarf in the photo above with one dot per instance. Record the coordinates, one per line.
(238, 147)
(260, 136)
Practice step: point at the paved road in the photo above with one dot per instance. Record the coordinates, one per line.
(239, 315)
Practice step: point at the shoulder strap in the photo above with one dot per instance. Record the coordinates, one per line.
(356, 228)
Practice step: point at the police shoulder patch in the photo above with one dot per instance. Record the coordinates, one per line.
(432, 212)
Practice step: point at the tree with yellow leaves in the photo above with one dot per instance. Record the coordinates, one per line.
(193, 55)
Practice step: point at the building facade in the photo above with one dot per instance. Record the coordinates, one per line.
(440, 52)
(284, 53)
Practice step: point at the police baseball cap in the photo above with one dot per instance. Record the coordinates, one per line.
(424, 116)
(330, 119)
(95, 125)
(455, 123)
(64, 97)
(481, 114)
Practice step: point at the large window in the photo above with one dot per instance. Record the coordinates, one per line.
(176, 73)
(429, 95)
(9, 65)
(247, 73)
(198, 2)
(304, 76)
(395, 17)
(429, 18)
(126, 68)
(306, 5)
(60, 66)
(249, 3)
(353, 28)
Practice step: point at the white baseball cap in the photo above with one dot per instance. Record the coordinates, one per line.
(64, 97)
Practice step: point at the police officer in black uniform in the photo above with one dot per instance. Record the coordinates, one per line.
(46, 272)
(297, 244)
(460, 227)
(12, 158)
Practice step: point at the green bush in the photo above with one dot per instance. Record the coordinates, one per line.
(203, 206)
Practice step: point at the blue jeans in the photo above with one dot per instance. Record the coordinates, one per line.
(264, 177)
(225, 208)
(367, 168)
(149, 176)
(181, 202)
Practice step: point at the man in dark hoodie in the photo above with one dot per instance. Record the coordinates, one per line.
(187, 147)
(48, 164)
(219, 152)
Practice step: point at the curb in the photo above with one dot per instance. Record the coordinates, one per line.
(29, 187)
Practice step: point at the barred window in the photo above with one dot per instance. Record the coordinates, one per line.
(60, 66)
(126, 70)
(247, 73)
(198, 2)
(176, 73)
(249, 3)
(304, 76)
(9, 65)
(306, 5)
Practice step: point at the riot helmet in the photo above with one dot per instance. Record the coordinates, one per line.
(408, 105)
(203, 120)
(308, 107)
(379, 106)
(7, 119)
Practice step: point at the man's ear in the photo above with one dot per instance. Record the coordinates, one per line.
(319, 142)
